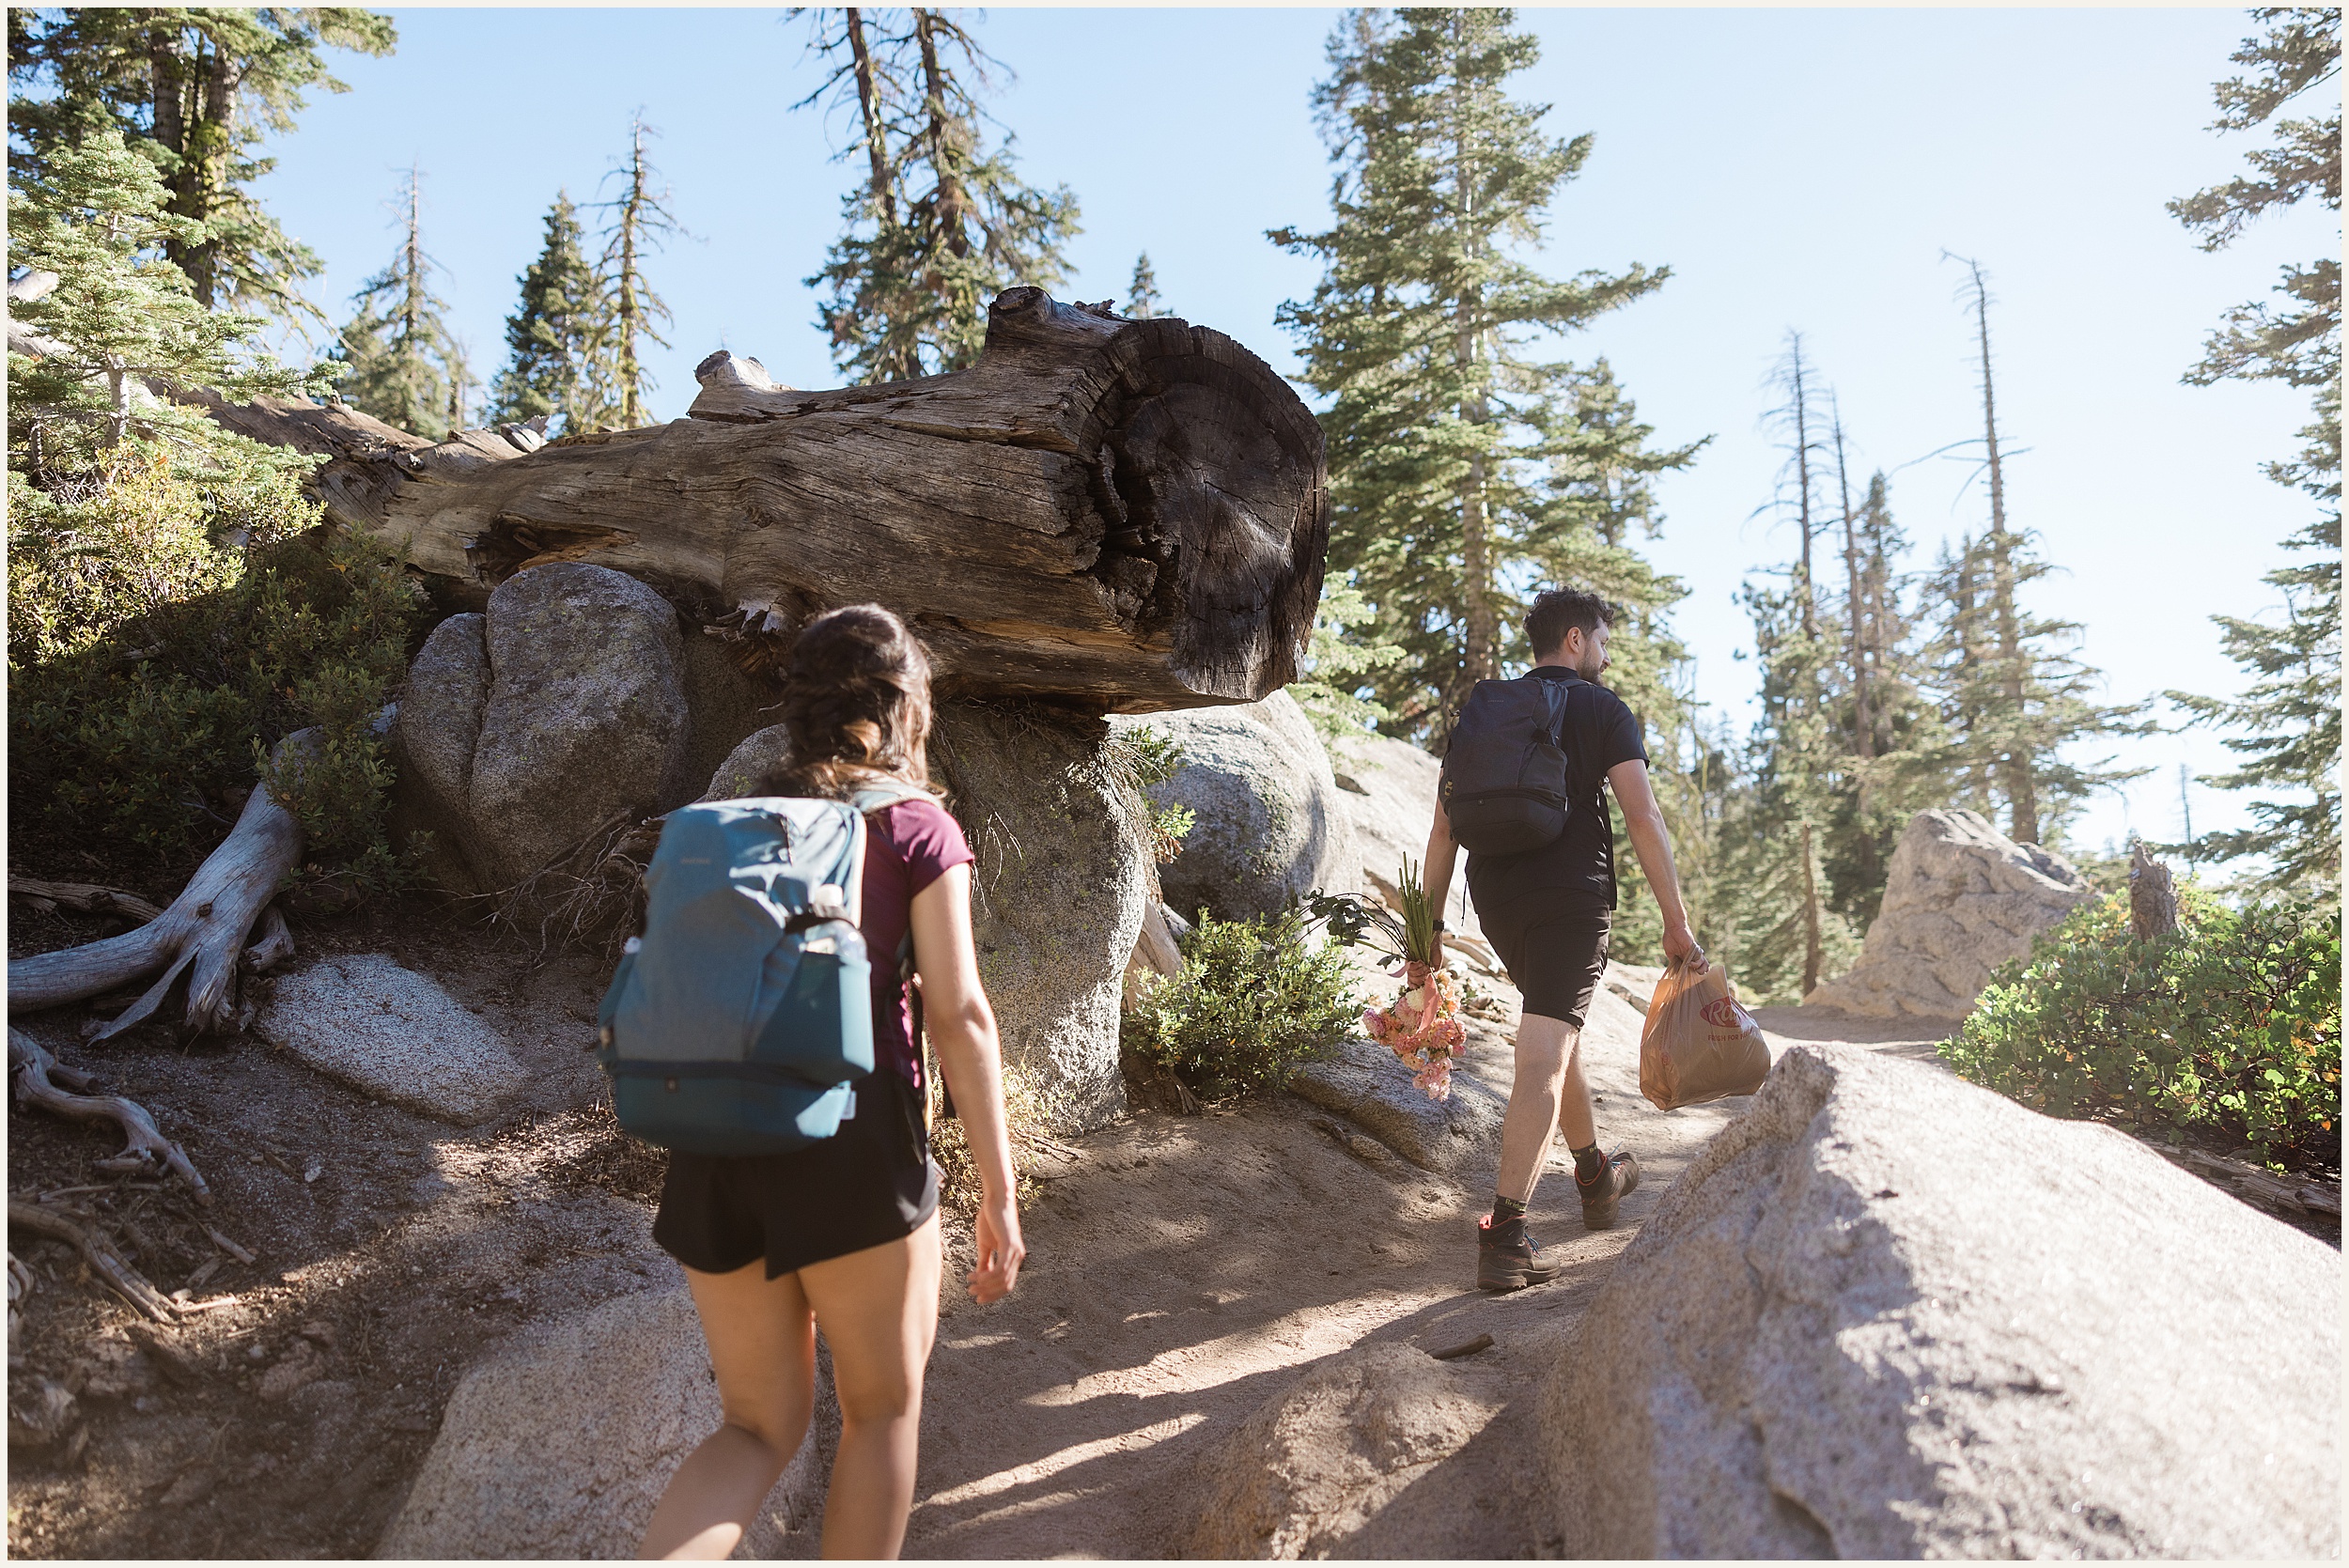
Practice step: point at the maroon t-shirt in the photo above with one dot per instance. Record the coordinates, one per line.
(907, 846)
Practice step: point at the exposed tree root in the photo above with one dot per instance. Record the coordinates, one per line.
(147, 1151)
(202, 935)
(128, 1282)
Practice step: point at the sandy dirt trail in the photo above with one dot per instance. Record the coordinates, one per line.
(1188, 1269)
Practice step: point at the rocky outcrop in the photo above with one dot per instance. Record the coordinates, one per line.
(1308, 1475)
(521, 731)
(1889, 1315)
(393, 1033)
(1364, 1083)
(1387, 793)
(1062, 879)
(1960, 899)
(560, 1443)
(1269, 826)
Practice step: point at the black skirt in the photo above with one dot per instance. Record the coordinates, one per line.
(871, 1182)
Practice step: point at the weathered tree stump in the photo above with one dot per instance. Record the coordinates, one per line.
(202, 935)
(2153, 896)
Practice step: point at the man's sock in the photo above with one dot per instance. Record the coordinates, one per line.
(1588, 1163)
(1506, 1209)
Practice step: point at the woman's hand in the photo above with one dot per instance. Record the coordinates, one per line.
(1000, 1250)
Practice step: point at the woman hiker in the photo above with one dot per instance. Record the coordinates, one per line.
(843, 1236)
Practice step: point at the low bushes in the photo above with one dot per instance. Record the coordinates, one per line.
(2229, 1026)
(1254, 999)
(131, 729)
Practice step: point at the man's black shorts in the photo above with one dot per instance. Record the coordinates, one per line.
(1554, 957)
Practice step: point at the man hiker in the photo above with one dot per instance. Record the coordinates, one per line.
(1547, 911)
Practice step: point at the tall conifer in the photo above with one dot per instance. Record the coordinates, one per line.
(396, 356)
(1442, 430)
(2287, 721)
(641, 218)
(2018, 699)
(941, 224)
(195, 89)
(1142, 294)
(551, 335)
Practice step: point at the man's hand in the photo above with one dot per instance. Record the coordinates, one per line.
(1680, 945)
(1434, 952)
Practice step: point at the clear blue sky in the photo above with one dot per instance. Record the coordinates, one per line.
(1795, 169)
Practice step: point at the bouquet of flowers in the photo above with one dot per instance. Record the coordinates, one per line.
(1421, 1026)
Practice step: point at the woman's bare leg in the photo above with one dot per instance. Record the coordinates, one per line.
(762, 1346)
(878, 1309)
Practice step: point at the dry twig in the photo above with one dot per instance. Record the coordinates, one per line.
(126, 1281)
(147, 1149)
(83, 898)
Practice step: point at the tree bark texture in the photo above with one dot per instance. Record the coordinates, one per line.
(202, 935)
(2153, 896)
(1130, 515)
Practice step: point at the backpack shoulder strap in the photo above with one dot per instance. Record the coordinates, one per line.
(1557, 693)
(883, 793)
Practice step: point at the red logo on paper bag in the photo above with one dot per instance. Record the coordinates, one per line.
(1724, 1013)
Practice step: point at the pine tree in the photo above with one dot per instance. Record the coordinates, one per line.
(550, 338)
(1442, 433)
(640, 217)
(942, 224)
(121, 501)
(194, 89)
(1886, 726)
(2288, 719)
(396, 356)
(1801, 767)
(2011, 694)
(121, 314)
(1142, 294)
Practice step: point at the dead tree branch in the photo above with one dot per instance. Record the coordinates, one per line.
(145, 1151)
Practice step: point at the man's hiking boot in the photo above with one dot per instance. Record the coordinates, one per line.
(1601, 1194)
(1506, 1258)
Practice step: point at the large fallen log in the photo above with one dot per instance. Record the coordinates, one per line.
(1131, 515)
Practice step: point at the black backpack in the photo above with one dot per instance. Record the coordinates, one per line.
(1505, 774)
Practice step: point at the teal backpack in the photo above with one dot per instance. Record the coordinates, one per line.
(741, 1020)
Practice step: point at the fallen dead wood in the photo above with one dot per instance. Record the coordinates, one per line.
(127, 1282)
(201, 935)
(145, 1151)
(86, 898)
(2285, 1194)
(1130, 515)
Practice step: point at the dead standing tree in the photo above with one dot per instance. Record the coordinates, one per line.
(1110, 515)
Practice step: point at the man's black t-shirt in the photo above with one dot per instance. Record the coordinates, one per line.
(1575, 871)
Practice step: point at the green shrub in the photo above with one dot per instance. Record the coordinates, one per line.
(1252, 1000)
(2230, 1025)
(129, 730)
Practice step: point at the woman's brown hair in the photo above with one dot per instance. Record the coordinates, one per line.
(857, 703)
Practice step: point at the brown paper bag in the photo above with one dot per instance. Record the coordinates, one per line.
(1699, 1043)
